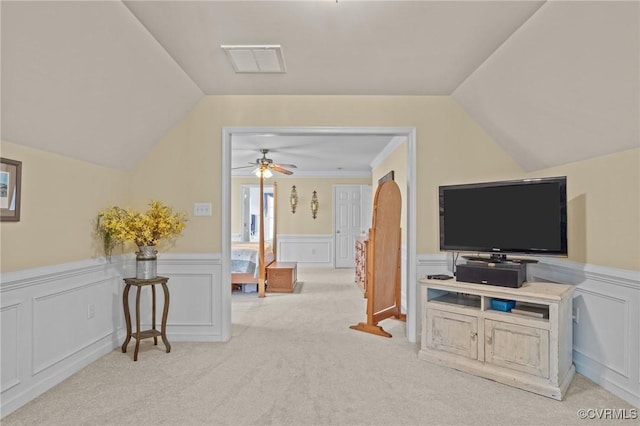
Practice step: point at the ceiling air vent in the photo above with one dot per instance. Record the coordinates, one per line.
(255, 58)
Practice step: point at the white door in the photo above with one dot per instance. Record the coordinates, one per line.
(367, 210)
(347, 220)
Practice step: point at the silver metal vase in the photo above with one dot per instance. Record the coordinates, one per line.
(146, 263)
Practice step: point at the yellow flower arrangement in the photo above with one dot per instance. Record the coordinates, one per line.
(116, 225)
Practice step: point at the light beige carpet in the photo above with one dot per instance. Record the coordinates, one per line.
(293, 360)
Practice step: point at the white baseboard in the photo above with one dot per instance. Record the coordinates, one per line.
(12, 402)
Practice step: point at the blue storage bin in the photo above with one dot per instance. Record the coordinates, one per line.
(502, 305)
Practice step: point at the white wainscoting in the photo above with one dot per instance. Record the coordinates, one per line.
(606, 330)
(606, 327)
(306, 249)
(195, 289)
(56, 320)
(47, 332)
(47, 335)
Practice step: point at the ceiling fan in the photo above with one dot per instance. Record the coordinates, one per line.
(266, 165)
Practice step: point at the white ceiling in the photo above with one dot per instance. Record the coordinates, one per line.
(328, 153)
(103, 81)
(349, 47)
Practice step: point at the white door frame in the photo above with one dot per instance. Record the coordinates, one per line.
(408, 132)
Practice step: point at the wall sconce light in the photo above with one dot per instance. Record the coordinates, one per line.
(314, 205)
(293, 199)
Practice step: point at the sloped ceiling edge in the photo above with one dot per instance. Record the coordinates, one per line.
(106, 97)
(565, 87)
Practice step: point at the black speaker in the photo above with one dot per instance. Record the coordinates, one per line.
(500, 274)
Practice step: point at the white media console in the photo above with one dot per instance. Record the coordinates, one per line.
(531, 350)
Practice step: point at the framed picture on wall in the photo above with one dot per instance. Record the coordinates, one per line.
(10, 184)
(388, 176)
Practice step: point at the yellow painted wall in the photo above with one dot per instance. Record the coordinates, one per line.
(603, 209)
(184, 166)
(301, 221)
(61, 198)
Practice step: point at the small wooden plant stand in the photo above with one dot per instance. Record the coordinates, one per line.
(383, 261)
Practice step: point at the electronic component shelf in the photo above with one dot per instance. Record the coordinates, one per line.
(531, 350)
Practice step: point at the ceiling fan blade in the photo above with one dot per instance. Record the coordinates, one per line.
(291, 166)
(243, 167)
(279, 169)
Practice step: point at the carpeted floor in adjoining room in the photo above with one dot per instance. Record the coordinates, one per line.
(293, 360)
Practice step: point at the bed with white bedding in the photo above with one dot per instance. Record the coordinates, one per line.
(245, 262)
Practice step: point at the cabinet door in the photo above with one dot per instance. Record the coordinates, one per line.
(517, 347)
(451, 332)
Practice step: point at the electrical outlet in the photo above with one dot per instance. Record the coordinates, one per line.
(91, 310)
(202, 209)
(576, 315)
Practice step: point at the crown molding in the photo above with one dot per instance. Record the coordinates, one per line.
(388, 150)
(315, 174)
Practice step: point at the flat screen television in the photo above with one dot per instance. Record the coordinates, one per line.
(519, 217)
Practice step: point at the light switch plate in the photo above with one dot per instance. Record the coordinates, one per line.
(202, 209)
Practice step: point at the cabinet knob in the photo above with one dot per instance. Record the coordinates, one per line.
(488, 340)
(473, 335)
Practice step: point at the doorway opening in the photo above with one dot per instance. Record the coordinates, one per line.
(409, 133)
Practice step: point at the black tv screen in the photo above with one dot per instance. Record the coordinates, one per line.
(525, 216)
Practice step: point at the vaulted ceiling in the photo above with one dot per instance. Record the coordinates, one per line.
(551, 82)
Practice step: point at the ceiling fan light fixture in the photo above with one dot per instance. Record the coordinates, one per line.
(262, 170)
(266, 58)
